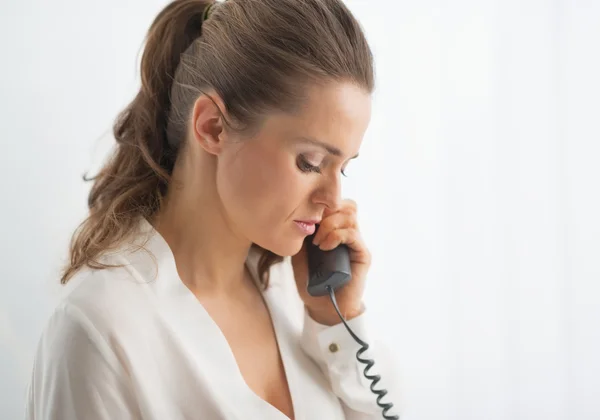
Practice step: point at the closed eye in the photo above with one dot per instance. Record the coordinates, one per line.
(305, 166)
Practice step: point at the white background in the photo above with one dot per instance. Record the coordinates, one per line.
(478, 187)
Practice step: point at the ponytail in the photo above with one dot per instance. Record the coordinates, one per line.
(134, 180)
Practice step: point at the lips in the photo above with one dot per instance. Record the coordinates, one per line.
(309, 221)
(307, 227)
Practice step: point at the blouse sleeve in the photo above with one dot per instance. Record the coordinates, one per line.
(76, 375)
(334, 350)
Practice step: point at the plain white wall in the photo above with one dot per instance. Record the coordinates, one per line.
(477, 185)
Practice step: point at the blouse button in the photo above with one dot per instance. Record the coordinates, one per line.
(333, 347)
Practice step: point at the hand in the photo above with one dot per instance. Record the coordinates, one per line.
(337, 227)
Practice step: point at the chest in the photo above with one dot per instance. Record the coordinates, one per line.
(248, 329)
(183, 358)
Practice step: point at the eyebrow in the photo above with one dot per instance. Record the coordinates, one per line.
(331, 149)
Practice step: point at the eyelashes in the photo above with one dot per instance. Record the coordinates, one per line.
(305, 166)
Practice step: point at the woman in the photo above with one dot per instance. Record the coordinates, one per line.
(188, 279)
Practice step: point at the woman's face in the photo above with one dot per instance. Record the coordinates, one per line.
(291, 170)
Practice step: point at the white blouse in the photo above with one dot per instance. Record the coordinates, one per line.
(135, 343)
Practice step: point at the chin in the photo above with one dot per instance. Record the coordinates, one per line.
(286, 250)
(291, 251)
(283, 248)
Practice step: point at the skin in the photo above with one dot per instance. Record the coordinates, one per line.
(230, 191)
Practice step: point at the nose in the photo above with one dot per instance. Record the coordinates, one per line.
(329, 193)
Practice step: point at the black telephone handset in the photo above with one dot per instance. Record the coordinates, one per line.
(327, 272)
(326, 268)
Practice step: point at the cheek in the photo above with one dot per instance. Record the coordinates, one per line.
(260, 189)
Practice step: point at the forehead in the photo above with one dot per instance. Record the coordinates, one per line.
(337, 114)
(337, 103)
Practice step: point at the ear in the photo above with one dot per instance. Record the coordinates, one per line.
(207, 123)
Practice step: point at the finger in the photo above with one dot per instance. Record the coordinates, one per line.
(350, 237)
(359, 253)
(349, 205)
(346, 206)
(333, 222)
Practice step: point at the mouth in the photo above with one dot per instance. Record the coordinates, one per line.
(307, 227)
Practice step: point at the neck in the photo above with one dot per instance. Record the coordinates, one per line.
(209, 254)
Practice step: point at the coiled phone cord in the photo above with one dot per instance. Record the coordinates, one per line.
(368, 362)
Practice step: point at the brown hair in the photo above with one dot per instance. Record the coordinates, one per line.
(257, 55)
